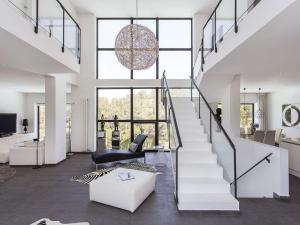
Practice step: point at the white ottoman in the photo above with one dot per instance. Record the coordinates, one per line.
(128, 195)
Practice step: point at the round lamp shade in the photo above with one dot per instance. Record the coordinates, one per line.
(136, 47)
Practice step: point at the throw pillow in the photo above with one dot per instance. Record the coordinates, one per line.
(133, 147)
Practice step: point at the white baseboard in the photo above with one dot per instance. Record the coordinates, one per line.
(294, 172)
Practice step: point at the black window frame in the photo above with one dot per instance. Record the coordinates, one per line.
(131, 120)
(132, 19)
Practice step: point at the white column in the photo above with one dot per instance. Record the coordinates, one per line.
(55, 99)
(231, 107)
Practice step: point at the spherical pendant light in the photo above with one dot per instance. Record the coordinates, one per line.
(136, 47)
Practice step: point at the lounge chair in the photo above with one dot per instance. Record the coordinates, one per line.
(111, 155)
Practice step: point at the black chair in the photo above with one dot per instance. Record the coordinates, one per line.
(112, 155)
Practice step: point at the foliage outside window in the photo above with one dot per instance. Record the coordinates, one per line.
(246, 118)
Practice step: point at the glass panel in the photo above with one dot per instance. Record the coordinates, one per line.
(71, 34)
(161, 107)
(175, 33)
(114, 102)
(208, 37)
(51, 18)
(25, 7)
(224, 18)
(245, 6)
(176, 63)
(110, 68)
(220, 144)
(124, 128)
(108, 31)
(149, 73)
(163, 135)
(175, 93)
(144, 104)
(151, 24)
(246, 120)
(147, 129)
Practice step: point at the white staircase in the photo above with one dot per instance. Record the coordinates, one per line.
(201, 185)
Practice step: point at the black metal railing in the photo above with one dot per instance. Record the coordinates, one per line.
(54, 18)
(266, 158)
(172, 123)
(212, 115)
(224, 17)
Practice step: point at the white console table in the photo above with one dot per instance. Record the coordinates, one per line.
(293, 146)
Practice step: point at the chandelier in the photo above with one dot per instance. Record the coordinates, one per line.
(136, 46)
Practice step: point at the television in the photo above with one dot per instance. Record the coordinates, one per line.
(8, 123)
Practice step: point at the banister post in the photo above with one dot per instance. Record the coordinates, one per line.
(36, 28)
(236, 29)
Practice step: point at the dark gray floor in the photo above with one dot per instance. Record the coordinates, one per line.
(47, 192)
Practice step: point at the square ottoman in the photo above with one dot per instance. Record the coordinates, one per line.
(127, 195)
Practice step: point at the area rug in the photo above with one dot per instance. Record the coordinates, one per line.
(6, 172)
(88, 178)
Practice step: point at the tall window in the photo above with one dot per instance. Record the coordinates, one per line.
(139, 111)
(175, 48)
(246, 118)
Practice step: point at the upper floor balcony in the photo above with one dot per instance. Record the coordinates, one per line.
(230, 25)
(39, 36)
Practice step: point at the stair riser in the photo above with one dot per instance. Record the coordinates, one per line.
(191, 158)
(192, 148)
(200, 138)
(201, 173)
(208, 206)
(204, 188)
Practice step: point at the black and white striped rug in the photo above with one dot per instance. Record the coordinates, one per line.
(88, 178)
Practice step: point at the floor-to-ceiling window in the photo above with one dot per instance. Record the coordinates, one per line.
(175, 48)
(139, 111)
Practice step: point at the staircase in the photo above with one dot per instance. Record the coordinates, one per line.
(201, 185)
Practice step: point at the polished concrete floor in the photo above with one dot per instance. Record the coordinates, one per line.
(47, 192)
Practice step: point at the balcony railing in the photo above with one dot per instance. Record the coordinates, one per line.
(52, 17)
(225, 17)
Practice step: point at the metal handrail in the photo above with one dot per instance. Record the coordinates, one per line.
(166, 94)
(65, 12)
(266, 158)
(212, 115)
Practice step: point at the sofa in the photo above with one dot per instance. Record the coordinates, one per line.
(6, 143)
(24, 154)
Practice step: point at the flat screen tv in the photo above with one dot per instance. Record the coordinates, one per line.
(8, 123)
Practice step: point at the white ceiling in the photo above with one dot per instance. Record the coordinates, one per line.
(147, 8)
(270, 59)
(21, 81)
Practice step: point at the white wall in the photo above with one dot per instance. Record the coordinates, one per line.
(13, 102)
(231, 107)
(275, 100)
(262, 181)
(253, 98)
(31, 100)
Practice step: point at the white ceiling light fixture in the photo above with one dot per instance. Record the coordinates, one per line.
(136, 46)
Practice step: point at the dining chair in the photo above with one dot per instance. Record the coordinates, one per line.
(270, 137)
(259, 136)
